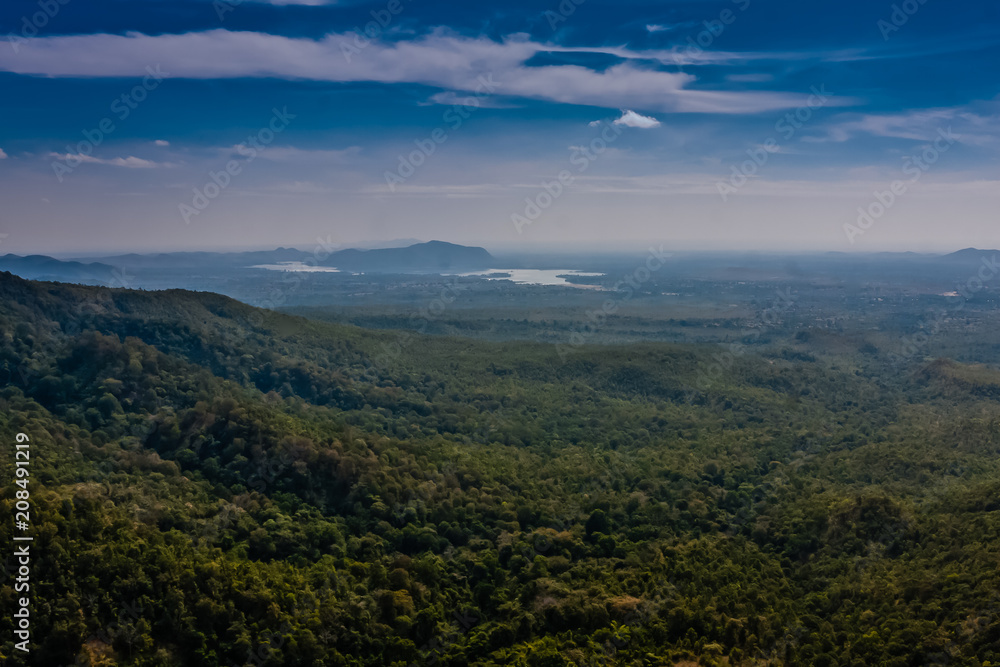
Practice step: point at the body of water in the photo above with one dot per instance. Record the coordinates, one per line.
(517, 276)
(535, 276)
(296, 266)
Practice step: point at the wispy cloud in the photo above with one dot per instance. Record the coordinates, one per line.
(671, 27)
(917, 126)
(302, 155)
(161, 143)
(706, 184)
(757, 77)
(301, 188)
(976, 124)
(130, 162)
(288, 3)
(3, 155)
(440, 59)
(446, 190)
(310, 3)
(450, 97)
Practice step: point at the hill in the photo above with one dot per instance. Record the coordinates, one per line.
(430, 257)
(968, 254)
(42, 267)
(216, 484)
(199, 260)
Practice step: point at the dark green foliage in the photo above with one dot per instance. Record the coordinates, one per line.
(216, 485)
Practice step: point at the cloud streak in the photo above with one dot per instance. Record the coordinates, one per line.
(130, 162)
(977, 124)
(302, 155)
(440, 59)
(308, 3)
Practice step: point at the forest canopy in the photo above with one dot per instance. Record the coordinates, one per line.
(216, 484)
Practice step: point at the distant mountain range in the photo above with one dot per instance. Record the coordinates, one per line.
(430, 257)
(157, 271)
(42, 267)
(183, 260)
(967, 254)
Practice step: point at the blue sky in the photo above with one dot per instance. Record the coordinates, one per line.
(155, 125)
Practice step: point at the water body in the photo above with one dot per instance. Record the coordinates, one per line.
(517, 276)
(535, 276)
(296, 266)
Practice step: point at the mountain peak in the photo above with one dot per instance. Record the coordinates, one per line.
(430, 257)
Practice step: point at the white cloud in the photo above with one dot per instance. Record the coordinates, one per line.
(451, 98)
(975, 124)
(301, 188)
(3, 155)
(293, 154)
(446, 190)
(286, 3)
(918, 126)
(161, 142)
(707, 184)
(632, 119)
(750, 78)
(660, 27)
(441, 59)
(129, 162)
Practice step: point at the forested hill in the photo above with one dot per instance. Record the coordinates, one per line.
(214, 484)
(41, 267)
(429, 257)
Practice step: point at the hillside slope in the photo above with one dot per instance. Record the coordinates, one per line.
(215, 484)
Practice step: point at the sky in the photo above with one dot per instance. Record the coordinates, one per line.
(829, 125)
